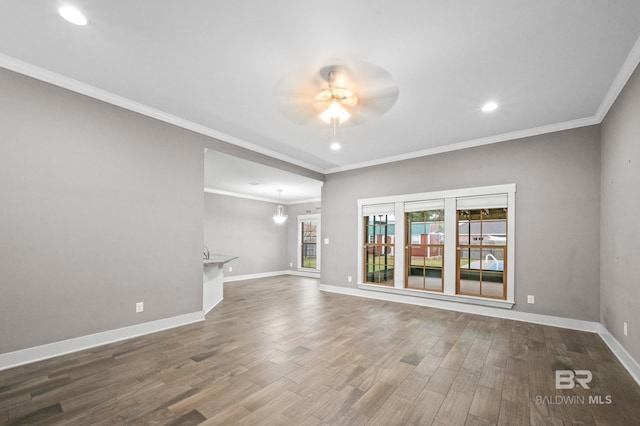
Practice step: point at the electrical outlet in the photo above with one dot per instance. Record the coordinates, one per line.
(624, 328)
(531, 299)
(349, 278)
(230, 268)
(290, 264)
(139, 307)
(326, 241)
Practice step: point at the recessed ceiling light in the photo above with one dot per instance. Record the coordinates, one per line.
(489, 106)
(335, 146)
(72, 15)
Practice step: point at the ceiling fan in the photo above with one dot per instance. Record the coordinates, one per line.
(345, 94)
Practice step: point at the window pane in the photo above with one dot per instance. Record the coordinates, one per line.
(482, 239)
(469, 258)
(379, 248)
(308, 232)
(425, 239)
(380, 264)
(417, 229)
(469, 275)
(494, 232)
(309, 239)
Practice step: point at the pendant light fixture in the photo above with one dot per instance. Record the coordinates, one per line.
(279, 217)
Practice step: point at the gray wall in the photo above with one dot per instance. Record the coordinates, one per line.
(100, 208)
(245, 228)
(557, 212)
(620, 228)
(103, 207)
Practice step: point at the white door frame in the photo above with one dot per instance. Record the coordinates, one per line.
(306, 218)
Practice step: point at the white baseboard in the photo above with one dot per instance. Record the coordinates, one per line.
(38, 353)
(254, 276)
(308, 274)
(216, 303)
(591, 326)
(632, 366)
(50, 350)
(473, 300)
(467, 308)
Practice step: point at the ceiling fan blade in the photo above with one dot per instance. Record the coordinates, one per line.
(380, 100)
(373, 104)
(373, 86)
(297, 109)
(294, 97)
(369, 75)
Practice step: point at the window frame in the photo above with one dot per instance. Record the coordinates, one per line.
(308, 218)
(383, 247)
(426, 248)
(450, 257)
(481, 247)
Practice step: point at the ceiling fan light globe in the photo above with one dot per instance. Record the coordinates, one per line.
(326, 116)
(335, 111)
(343, 115)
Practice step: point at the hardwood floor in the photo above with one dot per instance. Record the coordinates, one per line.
(278, 351)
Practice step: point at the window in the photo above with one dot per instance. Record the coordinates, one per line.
(482, 249)
(309, 236)
(454, 245)
(308, 242)
(424, 250)
(379, 248)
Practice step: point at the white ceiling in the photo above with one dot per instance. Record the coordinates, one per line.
(215, 67)
(229, 175)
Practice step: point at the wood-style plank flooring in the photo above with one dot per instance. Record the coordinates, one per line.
(279, 351)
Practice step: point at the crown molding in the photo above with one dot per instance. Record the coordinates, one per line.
(42, 74)
(536, 131)
(628, 67)
(257, 198)
(59, 80)
(239, 195)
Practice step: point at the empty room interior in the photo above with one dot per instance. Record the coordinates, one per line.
(343, 213)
